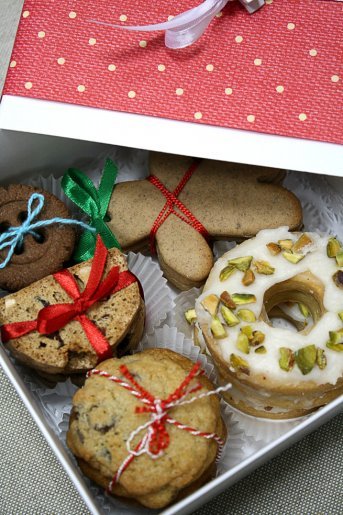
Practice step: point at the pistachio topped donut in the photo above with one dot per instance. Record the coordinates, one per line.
(277, 372)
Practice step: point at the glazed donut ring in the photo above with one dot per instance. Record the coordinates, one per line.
(277, 372)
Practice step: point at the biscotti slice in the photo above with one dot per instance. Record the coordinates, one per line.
(105, 415)
(119, 317)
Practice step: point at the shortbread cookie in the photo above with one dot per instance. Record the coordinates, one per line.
(230, 200)
(105, 414)
(277, 372)
(118, 316)
(45, 252)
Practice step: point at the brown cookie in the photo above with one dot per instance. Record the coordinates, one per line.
(119, 317)
(104, 416)
(231, 201)
(42, 254)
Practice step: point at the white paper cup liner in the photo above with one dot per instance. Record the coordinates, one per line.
(158, 301)
(185, 300)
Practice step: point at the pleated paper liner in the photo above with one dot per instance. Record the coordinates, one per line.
(57, 402)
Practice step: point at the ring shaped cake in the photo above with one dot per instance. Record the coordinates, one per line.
(277, 372)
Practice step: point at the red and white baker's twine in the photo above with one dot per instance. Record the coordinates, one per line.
(171, 201)
(156, 439)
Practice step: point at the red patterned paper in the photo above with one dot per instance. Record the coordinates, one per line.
(277, 71)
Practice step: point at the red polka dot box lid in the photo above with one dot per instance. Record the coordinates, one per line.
(262, 87)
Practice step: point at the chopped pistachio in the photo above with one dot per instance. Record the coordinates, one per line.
(321, 359)
(190, 316)
(305, 358)
(264, 268)
(293, 258)
(286, 244)
(301, 243)
(340, 314)
(338, 347)
(286, 360)
(333, 247)
(338, 279)
(257, 338)
(226, 272)
(261, 350)
(273, 248)
(243, 298)
(239, 364)
(246, 315)
(242, 343)
(247, 330)
(336, 340)
(304, 310)
(217, 328)
(229, 317)
(226, 299)
(339, 258)
(248, 278)
(336, 336)
(241, 263)
(211, 303)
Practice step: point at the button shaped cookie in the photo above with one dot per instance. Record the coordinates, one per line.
(41, 253)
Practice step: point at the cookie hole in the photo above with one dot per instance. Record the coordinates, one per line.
(39, 236)
(22, 216)
(4, 226)
(19, 249)
(42, 345)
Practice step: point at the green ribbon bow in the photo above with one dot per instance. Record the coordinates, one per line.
(94, 202)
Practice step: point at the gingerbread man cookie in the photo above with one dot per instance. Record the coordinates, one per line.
(184, 200)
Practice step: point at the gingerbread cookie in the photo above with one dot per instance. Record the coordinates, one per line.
(218, 201)
(67, 322)
(40, 252)
(106, 415)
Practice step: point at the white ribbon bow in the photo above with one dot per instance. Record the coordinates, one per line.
(186, 28)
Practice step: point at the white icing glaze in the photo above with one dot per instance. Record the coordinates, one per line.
(317, 262)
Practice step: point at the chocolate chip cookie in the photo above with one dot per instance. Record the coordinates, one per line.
(105, 414)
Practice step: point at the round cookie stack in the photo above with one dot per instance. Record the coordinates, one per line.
(276, 372)
(105, 415)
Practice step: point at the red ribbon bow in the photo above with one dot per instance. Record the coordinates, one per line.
(52, 318)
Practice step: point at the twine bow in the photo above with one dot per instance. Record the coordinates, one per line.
(156, 438)
(94, 202)
(55, 317)
(13, 237)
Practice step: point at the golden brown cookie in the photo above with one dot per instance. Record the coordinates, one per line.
(277, 372)
(231, 201)
(45, 252)
(104, 416)
(119, 317)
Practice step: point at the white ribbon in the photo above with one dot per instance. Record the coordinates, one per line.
(186, 28)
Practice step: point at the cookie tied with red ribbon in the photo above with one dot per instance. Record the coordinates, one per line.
(147, 427)
(68, 322)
